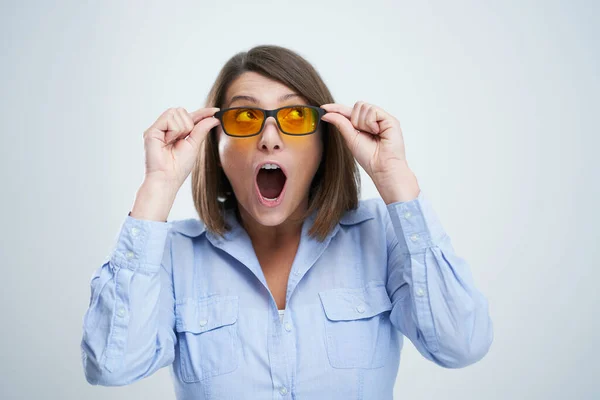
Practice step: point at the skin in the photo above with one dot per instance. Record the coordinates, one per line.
(270, 229)
(376, 142)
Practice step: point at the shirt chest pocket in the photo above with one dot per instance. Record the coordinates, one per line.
(357, 326)
(207, 335)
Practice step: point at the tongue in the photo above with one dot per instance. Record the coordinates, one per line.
(270, 182)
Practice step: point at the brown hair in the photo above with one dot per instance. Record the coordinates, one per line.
(336, 184)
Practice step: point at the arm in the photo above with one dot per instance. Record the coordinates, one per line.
(435, 302)
(128, 328)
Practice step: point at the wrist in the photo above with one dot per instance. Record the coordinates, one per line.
(160, 183)
(397, 185)
(153, 201)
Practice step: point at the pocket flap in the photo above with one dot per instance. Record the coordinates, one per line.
(355, 303)
(201, 315)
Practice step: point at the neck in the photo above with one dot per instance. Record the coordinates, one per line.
(274, 237)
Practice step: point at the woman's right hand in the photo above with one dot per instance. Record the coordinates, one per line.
(173, 142)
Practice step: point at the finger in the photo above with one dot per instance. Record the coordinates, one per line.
(371, 119)
(346, 111)
(381, 114)
(356, 113)
(362, 118)
(201, 113)
(161, 122)
(185, 125)
(343, 124)
(198, 134)
(174, 128)
(338, 108)
(180, 122)
(187, 119)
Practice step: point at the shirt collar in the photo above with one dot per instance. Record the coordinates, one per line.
(356, 216)
(193, 227)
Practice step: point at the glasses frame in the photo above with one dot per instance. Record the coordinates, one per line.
(271, 113)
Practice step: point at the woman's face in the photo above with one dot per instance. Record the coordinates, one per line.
(242, 158)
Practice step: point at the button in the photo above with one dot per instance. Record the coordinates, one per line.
(283, 390)
(135, 231)
(121, 312)
(420, 292)
(203, 322)
(414, 237)
(129, 254)
(288, 326)
(360, 308)
(296, 272)
(407, 214)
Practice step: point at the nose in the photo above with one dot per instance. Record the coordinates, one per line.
(270, 137)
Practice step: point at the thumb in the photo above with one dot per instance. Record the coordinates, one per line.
(343, 124)
(198, 134)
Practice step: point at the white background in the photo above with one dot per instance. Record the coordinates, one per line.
(499, 108)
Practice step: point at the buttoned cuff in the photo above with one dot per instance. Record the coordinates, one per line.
(140, 244)
(417, 223)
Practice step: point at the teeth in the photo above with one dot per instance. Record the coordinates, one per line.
(270, 166)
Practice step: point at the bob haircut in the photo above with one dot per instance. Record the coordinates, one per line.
(336, 184)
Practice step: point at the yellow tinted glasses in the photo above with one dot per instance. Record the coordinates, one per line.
(249, 121)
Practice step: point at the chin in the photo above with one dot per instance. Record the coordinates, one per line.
(268, 216)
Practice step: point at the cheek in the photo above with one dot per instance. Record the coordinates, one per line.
(234, 151)
(307, 150)
(229, 146)
(307, 154)
(307, 143)
(234, 155)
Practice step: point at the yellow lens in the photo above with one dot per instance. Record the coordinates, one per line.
(298, 120)
(242, 121)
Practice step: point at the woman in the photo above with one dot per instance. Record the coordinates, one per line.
(288, 285)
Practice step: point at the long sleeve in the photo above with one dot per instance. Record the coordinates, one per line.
(435, 302)
(128, 328)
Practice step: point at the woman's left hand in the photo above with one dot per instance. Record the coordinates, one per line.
(375, 139)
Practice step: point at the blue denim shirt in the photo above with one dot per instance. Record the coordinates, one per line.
(174, 294)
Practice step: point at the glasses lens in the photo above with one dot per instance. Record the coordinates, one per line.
(298, 120)
(242, 121)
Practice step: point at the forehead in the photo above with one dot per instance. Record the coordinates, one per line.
(256, 89)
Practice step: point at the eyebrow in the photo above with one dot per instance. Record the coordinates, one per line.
(256, 101)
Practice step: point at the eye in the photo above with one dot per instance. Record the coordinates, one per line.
(295, 113)
(246, 115)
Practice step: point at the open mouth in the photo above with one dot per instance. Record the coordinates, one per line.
(270, 182)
